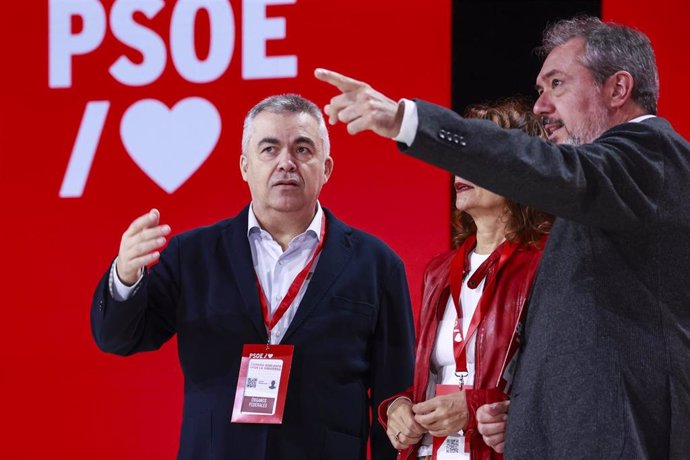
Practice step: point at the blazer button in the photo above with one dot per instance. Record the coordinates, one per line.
(100, 305)
(472, 284)
(442, 134)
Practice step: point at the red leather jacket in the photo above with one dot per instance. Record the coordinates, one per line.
(513, 282)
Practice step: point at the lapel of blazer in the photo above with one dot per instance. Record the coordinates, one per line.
(335, 255)
(239, 257)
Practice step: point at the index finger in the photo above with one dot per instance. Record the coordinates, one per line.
(340, 81)
(150, 219)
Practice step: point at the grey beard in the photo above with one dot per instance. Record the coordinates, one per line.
(587, 134)
(573, 139)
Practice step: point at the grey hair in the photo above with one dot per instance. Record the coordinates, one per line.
(609, 48)
(285, 103)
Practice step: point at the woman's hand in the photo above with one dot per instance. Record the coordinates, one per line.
(442, 415)
(403, 431)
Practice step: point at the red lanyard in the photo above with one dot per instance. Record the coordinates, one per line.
(458, 271)
(293, 290)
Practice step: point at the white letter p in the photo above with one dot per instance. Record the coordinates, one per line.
(63, 44)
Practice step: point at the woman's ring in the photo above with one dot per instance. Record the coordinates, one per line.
(396, 436)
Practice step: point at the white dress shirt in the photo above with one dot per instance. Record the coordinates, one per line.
(410, 122)
(277, 270)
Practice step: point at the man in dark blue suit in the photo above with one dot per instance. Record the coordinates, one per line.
(283, 271)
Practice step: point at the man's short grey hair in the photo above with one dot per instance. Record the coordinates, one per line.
(609, 48)
(285, 103)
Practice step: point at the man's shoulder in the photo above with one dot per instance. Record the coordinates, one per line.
(664, 127)
(653, 133)
(361, 240)
(372, 241)
(652, 125)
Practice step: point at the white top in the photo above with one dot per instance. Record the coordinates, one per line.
(442, 357)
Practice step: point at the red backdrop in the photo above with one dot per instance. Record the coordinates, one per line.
(61, 397)
(666, 24)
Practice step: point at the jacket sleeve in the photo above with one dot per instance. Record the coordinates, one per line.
(393, 352)
(383, 407)
(613, 183)
(146, 320)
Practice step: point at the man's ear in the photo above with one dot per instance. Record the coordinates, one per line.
(618, 88)
(327, 168)
(243, 166)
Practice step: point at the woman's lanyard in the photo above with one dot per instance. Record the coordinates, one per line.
(458, 271)
(293, 290)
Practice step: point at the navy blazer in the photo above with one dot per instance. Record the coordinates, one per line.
(605, 365)
(353, 337)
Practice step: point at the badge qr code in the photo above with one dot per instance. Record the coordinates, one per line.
(452, 445)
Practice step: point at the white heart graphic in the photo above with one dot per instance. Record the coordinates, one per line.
(270, 355)
(169, 145)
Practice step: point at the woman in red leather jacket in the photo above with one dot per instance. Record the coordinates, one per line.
(468, 328)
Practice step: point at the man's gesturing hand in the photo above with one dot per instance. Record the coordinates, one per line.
(361, 106)
(139, 246)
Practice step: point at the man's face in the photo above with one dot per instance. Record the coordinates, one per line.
(284, 164)
(570, 101)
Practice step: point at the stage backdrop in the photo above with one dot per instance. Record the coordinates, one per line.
(666, 24)
(110, 108)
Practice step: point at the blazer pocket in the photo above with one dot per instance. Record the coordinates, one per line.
(341, 446)
(356, 306)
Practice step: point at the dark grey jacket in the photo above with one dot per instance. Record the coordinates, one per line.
(605, 367)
